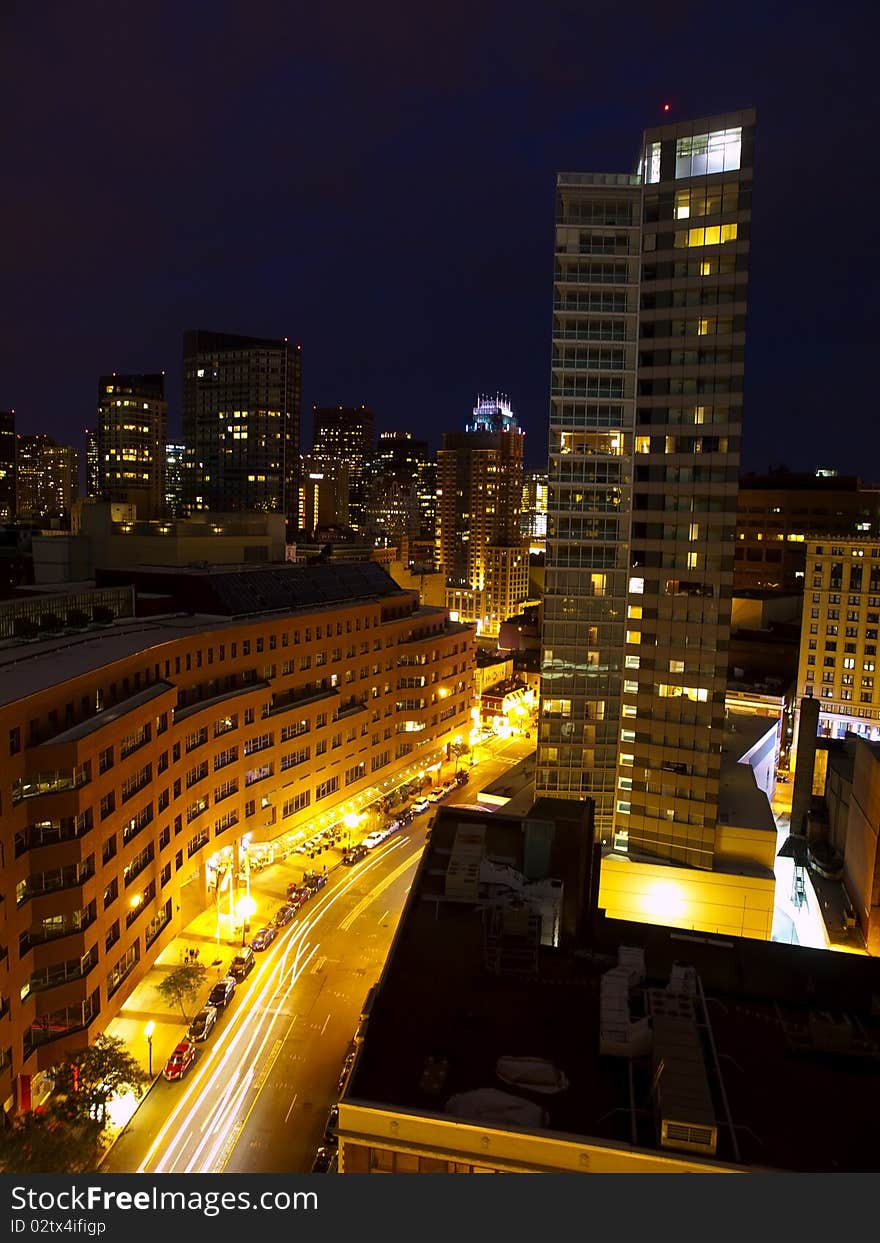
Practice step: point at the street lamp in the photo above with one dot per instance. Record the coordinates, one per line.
(245, 909)
(148, 1032)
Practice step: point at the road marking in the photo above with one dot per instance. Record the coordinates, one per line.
(326, 1021)
(389, 880)
(292, 1103)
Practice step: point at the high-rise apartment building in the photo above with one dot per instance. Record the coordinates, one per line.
(323, 494)
(394, 476)
(646, 410)
(132, 418)
(47, 483)
(241, 422)
(479, 496)
(175, 467)
(346, 434)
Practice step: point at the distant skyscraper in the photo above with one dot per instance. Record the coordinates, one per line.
(7, 465)
(241, 422)
(393, 477)
(175, 458)
(646, 410)
(91, 435)
(47, 482)
(346, 434)
(479, 496)
(323, 494)
(533, 520)
(132, 417)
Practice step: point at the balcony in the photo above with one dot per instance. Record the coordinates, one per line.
(51, 782)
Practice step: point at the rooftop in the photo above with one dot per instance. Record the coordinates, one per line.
(788, 1037)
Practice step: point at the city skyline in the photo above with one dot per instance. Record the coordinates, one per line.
(318, 255)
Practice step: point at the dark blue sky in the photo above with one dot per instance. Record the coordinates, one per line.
(376, 181)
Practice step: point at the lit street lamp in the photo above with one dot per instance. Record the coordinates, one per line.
(245, 909)
(148, 1032)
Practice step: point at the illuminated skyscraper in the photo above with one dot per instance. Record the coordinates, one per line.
(646, 408)
(346, 434)
(47, 482)
(91, 435)
(241, 423)
(132, 416)
(175, 467)
(479, 496)
(395, 478)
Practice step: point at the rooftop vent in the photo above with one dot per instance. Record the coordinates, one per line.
(681, 1086)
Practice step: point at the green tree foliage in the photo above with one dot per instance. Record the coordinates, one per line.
(46, 1141)
(182, 985)
(88, 1079)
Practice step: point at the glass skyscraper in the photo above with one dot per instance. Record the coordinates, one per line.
(646, 409)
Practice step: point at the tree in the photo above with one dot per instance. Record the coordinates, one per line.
(46, 1141)
(89, 1078)
(182, 985)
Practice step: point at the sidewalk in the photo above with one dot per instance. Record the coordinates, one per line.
(268, 888)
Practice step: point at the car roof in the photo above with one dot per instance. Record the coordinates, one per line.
(183, 1047)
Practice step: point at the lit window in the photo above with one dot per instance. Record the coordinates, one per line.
(718, 152)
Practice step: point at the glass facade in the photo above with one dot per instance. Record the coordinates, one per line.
(644, 456)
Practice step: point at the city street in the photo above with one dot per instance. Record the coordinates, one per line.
(258, 1095)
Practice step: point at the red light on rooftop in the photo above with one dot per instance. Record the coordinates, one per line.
(667, 107)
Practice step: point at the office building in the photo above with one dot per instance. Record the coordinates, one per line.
(479, 497)
(778, 512)
(516, 1028)
(91, 437)
(47, 479)
(840, 623)
(323, 495)
(132, 419)
(8, 456)
(533, 518)
(129, 760)
(346, 434)
(175, 469)
(241, 423)
(395, 475)
(646, 410)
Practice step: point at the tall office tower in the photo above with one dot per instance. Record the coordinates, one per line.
(323, 494)
(7, 465)
(47, 483)
(533, 519)
(480, 549)
(132, 417)
(345, 434)
(241, 423)
(646, 410)
(91, 435)
(393, 475)
(426, 491)
(175, 466)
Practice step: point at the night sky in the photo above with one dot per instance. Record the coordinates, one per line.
(376, 181)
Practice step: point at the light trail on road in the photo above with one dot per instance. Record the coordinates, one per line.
(202, 1130)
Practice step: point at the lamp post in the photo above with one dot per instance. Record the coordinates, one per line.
(245, 909)
(148, 1032)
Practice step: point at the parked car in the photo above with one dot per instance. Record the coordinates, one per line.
(263, 938)
(354, 854)
(285, 914)
(315, 881)
(221, 994)
(461, 777)
(243, 963)
(203, 1024)
(180, 1061)
(374, 839)
(346, 1070)
(419, 806)
(324, 1159)
(331, 1127)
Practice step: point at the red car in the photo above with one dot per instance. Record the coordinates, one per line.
(180, 1061)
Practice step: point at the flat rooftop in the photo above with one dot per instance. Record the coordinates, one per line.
(790, 1041)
